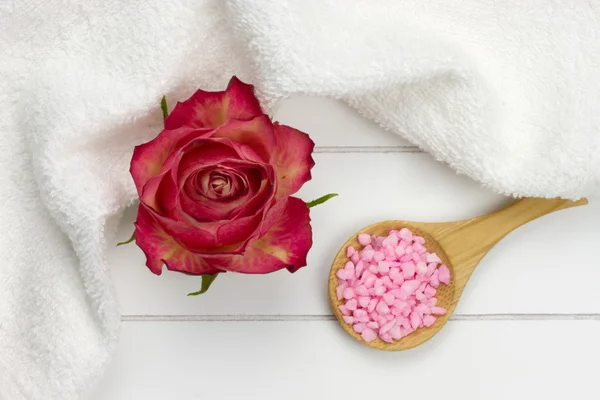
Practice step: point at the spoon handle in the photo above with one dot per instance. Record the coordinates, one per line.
(466, 242)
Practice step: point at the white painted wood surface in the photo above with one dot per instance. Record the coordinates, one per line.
(528, 324)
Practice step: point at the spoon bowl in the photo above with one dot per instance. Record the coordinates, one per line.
(460, 245)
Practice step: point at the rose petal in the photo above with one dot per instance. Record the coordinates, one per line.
(257, 134)
(213, 109)
(292, 159)
(285, 245)
(159, 247)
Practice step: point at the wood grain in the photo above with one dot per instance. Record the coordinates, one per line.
(460, 244)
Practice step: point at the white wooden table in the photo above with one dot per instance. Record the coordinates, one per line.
(528, 324)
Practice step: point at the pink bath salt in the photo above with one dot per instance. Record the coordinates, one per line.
(382, 320)
(422, 309)
(339, 290)
(410, 286)
(444, 274)
(373, 325)
(369, 281)
(361, 316)
(390, 253)
(364, 239)
(432, 302)
(372, 305)
(416, 257)
(382, 308)
(374, 316)
(350, 251)
(378, 256)
(380, 291)
(389, 325)
(361, 290)
(406, 311)
(429, 292)
(386, 337)
(432, 257)
(438, 310)
(421, 269)
(415, 320)
(434, 279)
(348, 293)
(342, 274)
(369, 335)
(367, 254)
(419, 239)
(404, 322)
(406, 331)
(389, 298)
(391, 240)
(422, 287)
(387, 282)
(403, 294)
(399, 304)
(395, 332)
(431, 269)
(405, 234)
(409, 250)
(358, 269)
(411, 302)
(352, 304)
(355, 258)
(359, 327)
(373, 269)
(405, 258)
(363, 301)
(399, 251)
(420, 296)
(408, 269)
(344, 310)
(419, 248)
(383, 267)
(395, 311)
(348, 319)
(428, 320)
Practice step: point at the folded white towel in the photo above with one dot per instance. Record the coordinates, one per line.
(505, 91)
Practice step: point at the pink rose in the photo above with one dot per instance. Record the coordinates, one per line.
(215, 188)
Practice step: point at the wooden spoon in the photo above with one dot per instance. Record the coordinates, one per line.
(460, 245)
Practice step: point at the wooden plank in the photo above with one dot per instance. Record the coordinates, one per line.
(492, 360)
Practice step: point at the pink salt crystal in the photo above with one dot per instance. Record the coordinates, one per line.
(382, 308)
(389, 299)
(363, 301)
(374, 316)
(403, 294)
(359, 328)
(391, 240)
(422, 309)
(411, 302)
(429, 292)
(372, 304)
(376, 240)
(344, 310)
(404, 322)
(378, 283)
(421, 269)
(399, 304)
(367, 254)
(406, 258)
(364, 239)
(373, 325)
(444, 274)
(380, 290)
(420, 296)
(395, 332)
(432, 302)
(386, 337)
(339, 291)
(383, 267)
(342, 274)
(416, 257)
(422, 286)
(432, 257)
(348, 293)
(355, 258)
(395, 311)
(428, 320)
(350, 251)
(364, 318)
(358, 269)
(434, 279)
(389, 325)
(408, 269)
(352, 304)
(419, 248)
(361, 290)
(387, 282)
(410, 286)
(390, 253)
(348, 319)
(382, 320)
(409, 250)
(406, 311)
(373, 269)
(405, 234)
(438, 310)
(415, 320)
(366, 273)
(407, 331)
(419, 239)
(430, 269)
(369, 335)
(369, 280)
(378, 256)
(399, 251)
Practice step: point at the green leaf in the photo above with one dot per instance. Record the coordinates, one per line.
(131, 239)
(207, 280)
(163, 107)
(321, 200)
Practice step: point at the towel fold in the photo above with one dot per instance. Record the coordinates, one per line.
(504, 91)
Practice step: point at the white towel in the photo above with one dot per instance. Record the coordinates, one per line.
(505, 91)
